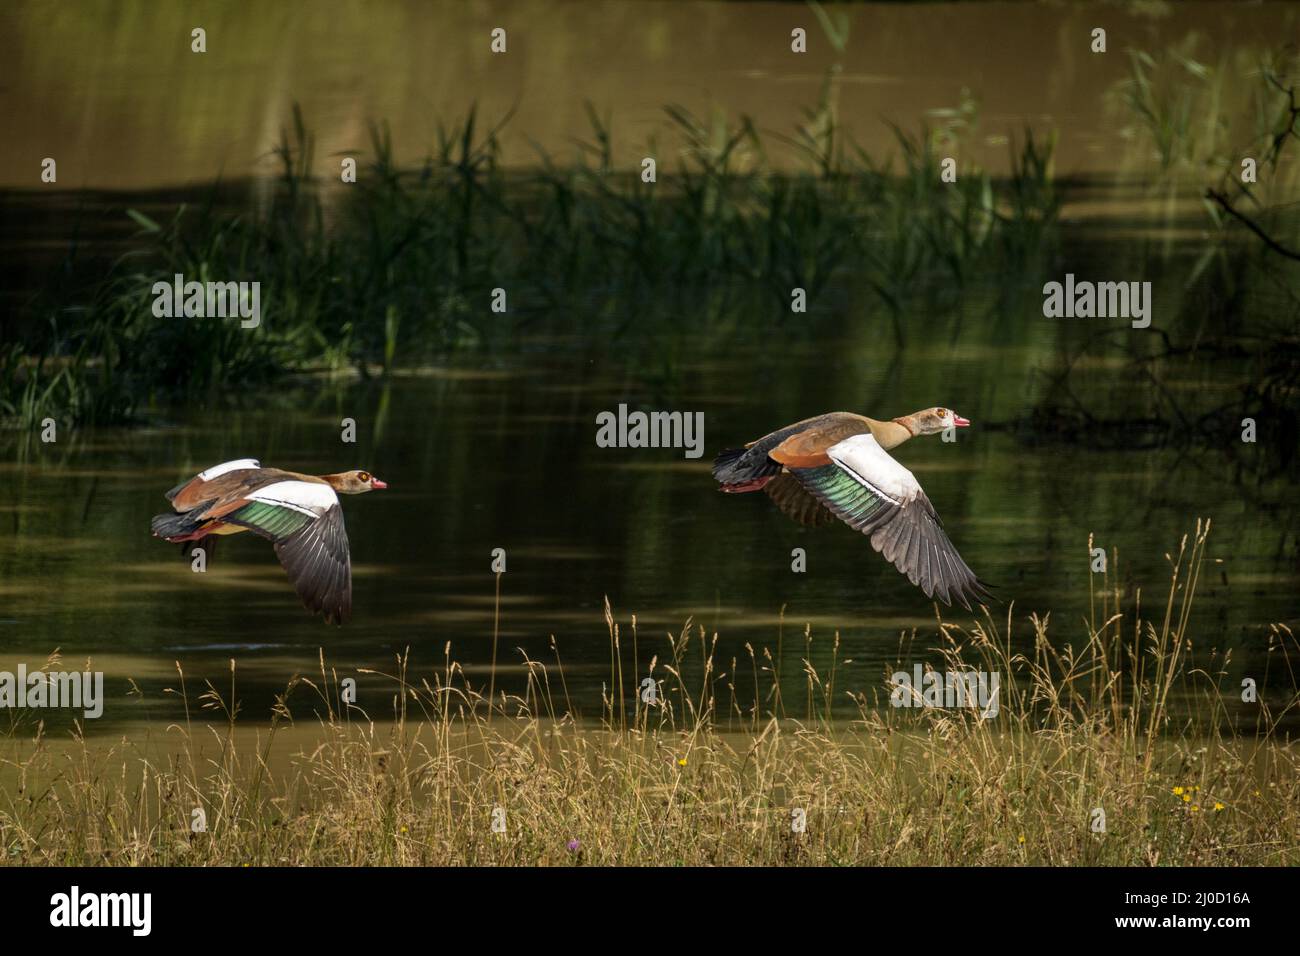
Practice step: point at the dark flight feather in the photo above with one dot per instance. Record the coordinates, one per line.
(908, 535)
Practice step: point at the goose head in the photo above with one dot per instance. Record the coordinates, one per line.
(355, 482)
(932, 421)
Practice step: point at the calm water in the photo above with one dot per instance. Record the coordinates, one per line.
(505, 457)
(500, 452)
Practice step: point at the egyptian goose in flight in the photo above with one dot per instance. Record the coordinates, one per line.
(838, 466)
(299, 514)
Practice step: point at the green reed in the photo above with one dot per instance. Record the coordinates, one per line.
(400, 266)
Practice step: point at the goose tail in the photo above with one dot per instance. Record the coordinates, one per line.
(174, 527)
(739, 470)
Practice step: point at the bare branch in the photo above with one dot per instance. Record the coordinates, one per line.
(1250, 224)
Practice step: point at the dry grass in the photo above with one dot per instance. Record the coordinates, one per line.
(1130, 723)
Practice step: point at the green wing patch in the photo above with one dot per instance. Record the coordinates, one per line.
(850, 501)
(271, 521)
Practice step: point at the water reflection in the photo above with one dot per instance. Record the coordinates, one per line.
(499, 451)
(509, 460)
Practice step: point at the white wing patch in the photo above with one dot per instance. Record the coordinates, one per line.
(306, 496)
(863, 458)
(239, 464)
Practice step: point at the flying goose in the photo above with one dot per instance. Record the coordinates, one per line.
(837, 465)
(299, 514)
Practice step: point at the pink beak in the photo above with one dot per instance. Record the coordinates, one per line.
(960, 422)
(376, 483)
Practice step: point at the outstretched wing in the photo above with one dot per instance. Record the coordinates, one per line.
(305, 522)
(320, 567)
(796, 502)
(871, 492)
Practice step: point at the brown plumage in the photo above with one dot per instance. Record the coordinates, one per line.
(299, 514)
(796, 503)
(837, 466)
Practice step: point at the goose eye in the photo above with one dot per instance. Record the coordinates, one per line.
(941, 412)
(364, 476)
